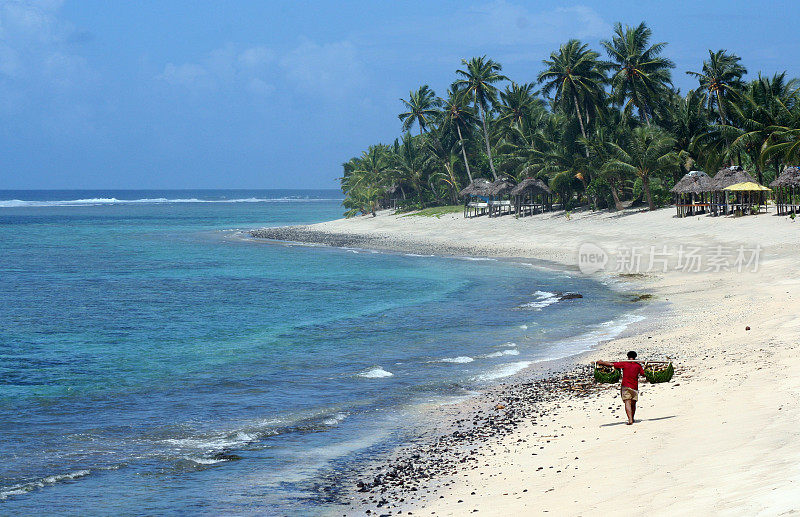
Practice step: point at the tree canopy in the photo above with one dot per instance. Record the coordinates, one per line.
(601, 133)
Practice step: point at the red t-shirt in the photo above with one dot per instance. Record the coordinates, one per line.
(630, 373)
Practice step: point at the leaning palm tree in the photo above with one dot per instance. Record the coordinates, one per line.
(722, 78)
(640, 73)
(479, 80)
(649, 154)
(574, 74)
(458, 113)
(420, 108)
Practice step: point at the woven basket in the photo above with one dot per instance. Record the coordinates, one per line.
(656, 373)
(606, 374)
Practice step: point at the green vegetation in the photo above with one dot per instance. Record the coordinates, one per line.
(659, 372)
(437, 211)
(606, 374)
(600, 132)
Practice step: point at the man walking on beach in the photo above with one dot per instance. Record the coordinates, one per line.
(631, 370)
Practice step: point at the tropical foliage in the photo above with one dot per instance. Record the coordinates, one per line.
(604, 131)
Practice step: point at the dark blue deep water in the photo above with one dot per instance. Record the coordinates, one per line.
(142, 334)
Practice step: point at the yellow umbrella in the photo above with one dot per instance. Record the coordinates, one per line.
(747, 186)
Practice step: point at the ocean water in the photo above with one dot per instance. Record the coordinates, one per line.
(155, 360)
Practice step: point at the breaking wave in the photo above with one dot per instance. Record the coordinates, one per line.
(15, 203)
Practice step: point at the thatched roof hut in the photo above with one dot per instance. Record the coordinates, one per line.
(790, 177)
(786, 185)
(533, 184)
(478, 187)
(693, 194)
(731, 176)
(695, 182)
(500, 187)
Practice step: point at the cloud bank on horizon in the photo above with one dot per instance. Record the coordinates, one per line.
(269, 95)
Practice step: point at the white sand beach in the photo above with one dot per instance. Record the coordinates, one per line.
(719, 439)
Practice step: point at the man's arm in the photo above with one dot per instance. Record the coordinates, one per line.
(605, 363)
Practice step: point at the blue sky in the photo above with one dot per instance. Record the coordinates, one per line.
(179, 94)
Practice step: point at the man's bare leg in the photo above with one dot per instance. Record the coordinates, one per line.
(633, 410)
(629, 405)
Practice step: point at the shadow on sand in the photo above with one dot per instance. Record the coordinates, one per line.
(639, 420)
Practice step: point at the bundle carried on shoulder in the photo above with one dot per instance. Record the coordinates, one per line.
(658, 372)
(606, 374)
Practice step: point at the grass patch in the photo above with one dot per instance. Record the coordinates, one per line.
(437, 211)
(642, 297)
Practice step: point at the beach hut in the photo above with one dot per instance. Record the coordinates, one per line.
(724, 178)
(786, 200)
(530, 195)
(476, 197)
(693, 194)
(749, 197)
(497, 191)
(391, 196)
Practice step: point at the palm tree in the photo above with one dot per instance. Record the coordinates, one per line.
(517, 103)
(650, 153)
(421, 108)
(442, 153)
(776, 103)
(722, 78)
(407, 162)
(365, 180)
(640, 73)
(687, 119)
(600, 142)
(457, 112)
(478, 79)
(573, 73)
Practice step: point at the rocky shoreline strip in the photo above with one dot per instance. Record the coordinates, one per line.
(306, 235)
(414, 472)
(376, 241)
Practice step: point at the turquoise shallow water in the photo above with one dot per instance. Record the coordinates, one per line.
(142, 336)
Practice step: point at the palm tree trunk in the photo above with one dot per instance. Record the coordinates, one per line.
(463, 151)
(615, 195)
(645, 112)
(486, 138)
(639, 102)
(580, 120)
(721, 108)
(453, 184)
(646, 185)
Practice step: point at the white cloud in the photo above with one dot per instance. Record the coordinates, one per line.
(259, 87)
(187, 74)
(34, 45)
(256, 57)
(505, 23)
(225, 67)
(330, 69)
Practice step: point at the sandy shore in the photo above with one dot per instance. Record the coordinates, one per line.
(719, 439)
